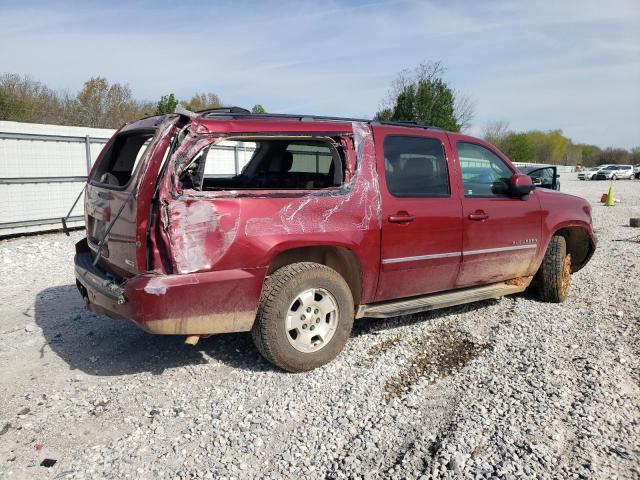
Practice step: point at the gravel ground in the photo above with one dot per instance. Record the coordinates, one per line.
(512, 388)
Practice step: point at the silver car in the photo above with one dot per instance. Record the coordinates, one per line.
(614, 172)
(590, 173)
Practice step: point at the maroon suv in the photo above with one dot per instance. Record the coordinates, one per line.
(292, 226)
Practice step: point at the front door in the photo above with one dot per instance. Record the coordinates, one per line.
(421, 217)
(501, 233)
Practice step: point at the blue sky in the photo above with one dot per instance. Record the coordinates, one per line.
(572, 64)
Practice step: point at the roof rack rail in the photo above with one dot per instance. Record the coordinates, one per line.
(238, 112)
(223, 110)
(408, 124)
(247, 114)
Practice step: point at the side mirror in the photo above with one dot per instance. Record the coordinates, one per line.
(520, 185)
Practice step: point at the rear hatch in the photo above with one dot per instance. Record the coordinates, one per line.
(112, 195)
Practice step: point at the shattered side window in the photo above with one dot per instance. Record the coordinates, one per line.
(263, 164)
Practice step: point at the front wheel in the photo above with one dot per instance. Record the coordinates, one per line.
(305, 316)
(554, 276)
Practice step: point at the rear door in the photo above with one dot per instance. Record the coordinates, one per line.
(501, 234)
(421, 217)
(110, 190)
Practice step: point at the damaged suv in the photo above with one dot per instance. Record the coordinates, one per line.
(291, 227)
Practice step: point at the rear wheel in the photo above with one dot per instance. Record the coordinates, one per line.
(305, 316)
(554, 276)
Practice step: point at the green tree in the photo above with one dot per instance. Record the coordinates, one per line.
(423, 96)
(589, 154)
(429, 101)
(167, 104)
(258, 109)
(550, 146)
(516, 146)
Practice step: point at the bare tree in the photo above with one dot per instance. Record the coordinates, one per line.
(102, 105)
(496, 132)
(464, 110)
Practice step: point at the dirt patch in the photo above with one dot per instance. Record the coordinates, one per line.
(378, 349)
(438, 355)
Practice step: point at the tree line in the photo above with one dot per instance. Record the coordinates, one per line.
(98, 104)
(419, 95)
(553, 147)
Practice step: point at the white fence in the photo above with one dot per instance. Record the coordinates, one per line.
(42, 170)
(560, 168)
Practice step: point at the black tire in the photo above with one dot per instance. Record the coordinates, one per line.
(634, 222)
(281, 289)
(554, 276)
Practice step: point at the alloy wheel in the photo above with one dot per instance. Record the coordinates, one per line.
(312, 320)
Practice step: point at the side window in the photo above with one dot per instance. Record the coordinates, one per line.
(300, 164)
(415, 167)
(484, 174)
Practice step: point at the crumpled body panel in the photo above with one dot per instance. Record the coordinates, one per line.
(232, 229)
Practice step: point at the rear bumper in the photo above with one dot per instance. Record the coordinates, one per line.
(191, 304)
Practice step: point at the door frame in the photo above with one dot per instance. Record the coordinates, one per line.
(455, 186)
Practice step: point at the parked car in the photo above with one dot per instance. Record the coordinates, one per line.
(615, 172)
(291, 227)
(590, 173)
(545, 176)
(636, 170)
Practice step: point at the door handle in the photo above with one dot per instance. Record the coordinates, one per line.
(401, 218)
(478, 215)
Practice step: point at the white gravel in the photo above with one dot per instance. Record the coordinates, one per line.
(513, 388)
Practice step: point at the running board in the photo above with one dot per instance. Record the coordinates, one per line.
(433, 301)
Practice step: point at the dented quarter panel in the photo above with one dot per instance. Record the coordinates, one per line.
(245, 229)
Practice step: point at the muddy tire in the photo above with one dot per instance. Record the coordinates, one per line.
(304, 318)
(554, 276)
